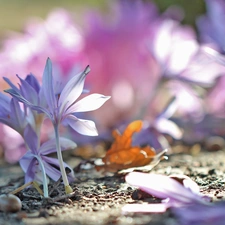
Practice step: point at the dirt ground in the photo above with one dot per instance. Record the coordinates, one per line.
(98, 198)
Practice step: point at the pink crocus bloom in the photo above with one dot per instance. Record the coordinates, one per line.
(122, 67)
(57, 37)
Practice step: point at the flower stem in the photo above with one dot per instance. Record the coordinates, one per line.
(45, 182)
(68, 189)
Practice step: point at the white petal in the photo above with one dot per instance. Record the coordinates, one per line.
(85, 127)
(168, 127)
(72, 90)
(89, 103)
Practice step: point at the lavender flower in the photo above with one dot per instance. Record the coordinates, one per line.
(61, 107)
(164, 187)
(11, 114)
(36, 162)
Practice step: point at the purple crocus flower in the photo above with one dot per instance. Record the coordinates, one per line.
(61, 107)
(171, 191)
(154, 129)
(36, 159)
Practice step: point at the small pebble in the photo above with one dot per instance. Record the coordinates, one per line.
(10, 203)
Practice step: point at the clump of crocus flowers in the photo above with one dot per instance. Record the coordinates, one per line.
(31, 103)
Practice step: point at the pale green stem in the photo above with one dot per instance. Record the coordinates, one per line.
(68, 189)
(45, 182)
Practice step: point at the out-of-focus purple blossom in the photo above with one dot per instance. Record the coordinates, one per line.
(210, 26)
(173, 193)
(116, 48)
(200, 130)
(30, 161)
(180, 57)
(154, 129)
(201, 214)
(57, 37)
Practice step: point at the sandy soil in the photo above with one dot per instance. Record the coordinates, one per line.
(98, 198)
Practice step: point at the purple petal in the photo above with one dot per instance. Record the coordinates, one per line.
(17, 116)
(20, 98)
(26, 160)
(162, 187)
(31, 79)
(47, 86)
(31, 139)
(4, 103)
(89, 103)
(72, 90)
(50, 146)
(28, 92)
(11, 84)
(201, 214)
(85, 127)
(28, 164)
(51, 171)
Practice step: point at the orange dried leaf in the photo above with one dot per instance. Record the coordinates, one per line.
(123, 155)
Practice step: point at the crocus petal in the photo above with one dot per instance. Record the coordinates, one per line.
(31, 79)
(162, 187)
(72, 90)
(31, 139)
(26, 160)
(149, 208)
(20, 98)
(28, 91)
(166, 126)
(201, 214)
(89, 103)
(47, 86)
(28, 164)
(85, 127)
(49, 146)
(4, 103)
(10, 84)
(17, 116)
(51, 171)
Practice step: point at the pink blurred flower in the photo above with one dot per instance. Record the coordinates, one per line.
(57, 37)
(122, 67)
